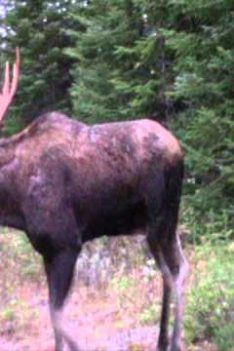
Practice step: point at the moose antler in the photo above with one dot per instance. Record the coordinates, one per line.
(9, 86)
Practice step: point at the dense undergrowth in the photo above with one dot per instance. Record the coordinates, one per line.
(210, 301)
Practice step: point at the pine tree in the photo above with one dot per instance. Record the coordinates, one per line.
(171, 60)
(103, 79)
(37, 27)
(202, 42)
(124, 65)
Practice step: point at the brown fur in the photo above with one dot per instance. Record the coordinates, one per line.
(64, 183)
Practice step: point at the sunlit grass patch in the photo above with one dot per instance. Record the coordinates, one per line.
(19, 264)
(210, 299)
(17, 317)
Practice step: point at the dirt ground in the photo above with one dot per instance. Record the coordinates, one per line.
(96, 323)
(122, 315)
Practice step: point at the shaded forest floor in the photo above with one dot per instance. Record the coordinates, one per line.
(111, 308)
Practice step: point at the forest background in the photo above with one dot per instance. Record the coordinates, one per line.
(169, 60)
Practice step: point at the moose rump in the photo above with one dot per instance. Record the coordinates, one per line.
(112, 177)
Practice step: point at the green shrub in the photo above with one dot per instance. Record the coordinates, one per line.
(150, 315)
(214, 225)
(210, 307)
(224, 337)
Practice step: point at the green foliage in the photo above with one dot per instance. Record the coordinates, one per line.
(38, 29)
(123, 284)
(19, 265)
(210, 303)
(166, 59)
(25, 261)
(150, 314)
(203, 69)
(17, 316)
(123, 70)
(102, 86)
(214, 224)
(224, 337)
(172, 60)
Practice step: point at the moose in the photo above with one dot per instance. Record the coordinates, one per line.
(64, 183)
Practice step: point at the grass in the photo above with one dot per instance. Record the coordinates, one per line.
(19, 265)
(210, 305)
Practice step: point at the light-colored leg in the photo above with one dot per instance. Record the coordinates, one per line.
(165, 314)
(167, 290)
(59, 269)
(179, 287)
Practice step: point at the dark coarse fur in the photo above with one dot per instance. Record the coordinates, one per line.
(65, 183)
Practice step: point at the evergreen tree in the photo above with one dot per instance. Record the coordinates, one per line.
(202, 42)
(37, 27)
(103, 86)
(134, 58)
(124, 66)
(164, 59)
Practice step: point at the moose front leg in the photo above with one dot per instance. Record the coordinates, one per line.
(53, 231)
(59, 269)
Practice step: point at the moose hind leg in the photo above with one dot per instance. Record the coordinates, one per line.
(176, 263)
(179, 275)
(167, 290)
(59, 269)
(174, 268)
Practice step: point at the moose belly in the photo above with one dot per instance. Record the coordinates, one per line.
(116, 220)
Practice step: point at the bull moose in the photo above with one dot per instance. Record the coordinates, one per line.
(64, 183)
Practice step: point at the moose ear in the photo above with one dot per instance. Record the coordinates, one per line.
(9, 86)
